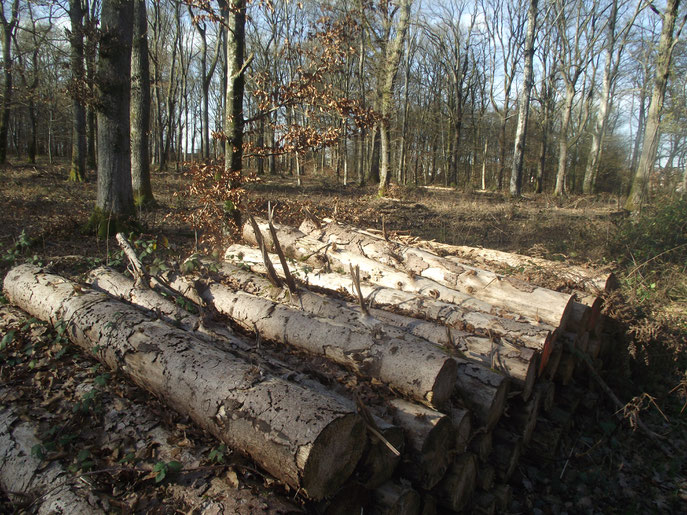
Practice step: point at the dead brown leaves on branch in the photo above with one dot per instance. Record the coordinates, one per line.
(221, 196)
(325, 107)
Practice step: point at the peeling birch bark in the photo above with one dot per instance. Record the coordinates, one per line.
(502, 291)
(308, 440)
(413, 366)
(470, 315)
(518, 363)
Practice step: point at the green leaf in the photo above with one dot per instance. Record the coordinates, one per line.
(174, 467)
(38, 452)
(83, 455)
(7, 339)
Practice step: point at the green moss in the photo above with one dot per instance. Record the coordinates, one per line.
(75, 175)
(107, 225)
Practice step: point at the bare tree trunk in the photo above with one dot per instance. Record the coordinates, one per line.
(524, 107)
(562, 174)
(392, 60)
(114, 203)
(666, 44)
(140, 108)
(233, 117)
(77, 171)
(8, 29)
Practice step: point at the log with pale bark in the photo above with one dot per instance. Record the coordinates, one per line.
(470, 315)
(378, 462)
(430, 441)
(307, 440)
(25, 476)
(501, 291)
(518, 363)
(583, 278)
(431, 379)
(457, 486)
(396, 499)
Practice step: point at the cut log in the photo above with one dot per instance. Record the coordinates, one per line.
(369, 354)
(308, 440)
(462, 427)
(507, 451)
(587, 279)
(482, 444)
(502, 291)
(470, 314)
(378, 462)
(518, 363)
(522, 417)
(483, 391)
(351, 498)
(429, 437)
(52, 488)
(566, 367)
(547, 393)
(456, 488)
(396, 499)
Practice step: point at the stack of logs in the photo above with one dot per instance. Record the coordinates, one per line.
(420, 375)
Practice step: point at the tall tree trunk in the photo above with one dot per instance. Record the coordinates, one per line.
(140, 108)
(233, 114)
(651, 133)
(561, 175)
(90, 51)
(77, 171)
(524, 107)
(114, 203)
(391, 64)
(8, 28)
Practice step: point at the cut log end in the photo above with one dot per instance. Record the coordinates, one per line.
(333, 456)
(443, 384)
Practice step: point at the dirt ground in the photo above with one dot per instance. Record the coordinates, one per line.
(604, 466)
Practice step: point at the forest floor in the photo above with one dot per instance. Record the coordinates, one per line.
(605, 465)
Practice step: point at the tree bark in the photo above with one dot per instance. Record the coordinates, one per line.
(392, 61)
(114, 203)
(579, 277)
(308, 440)
(366, 353)
(519, 364)
(233, 117)
(8, 29)
(524, 106)
(456, 488)
(471, 315)
(666, 44)
(511, 295)
(429, 437)
(77, 171)
(140, 109)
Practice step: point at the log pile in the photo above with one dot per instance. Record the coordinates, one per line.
(443, 373)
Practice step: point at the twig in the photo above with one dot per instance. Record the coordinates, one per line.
(271, 273)
(141, 277)
(371, 425)
(355, 273)
(656, 438)
(384, 234)
(290, 283)
(312, 217)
